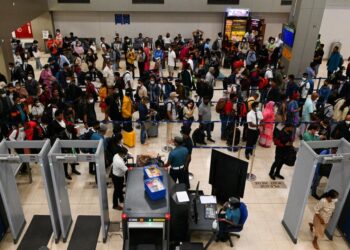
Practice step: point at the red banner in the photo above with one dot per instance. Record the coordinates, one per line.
(25, 31)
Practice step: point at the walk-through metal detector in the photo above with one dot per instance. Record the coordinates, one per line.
(339, 179)
(8, 185)
(57, 159)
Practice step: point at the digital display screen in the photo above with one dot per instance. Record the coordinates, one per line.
(288, 34)
(238, 12)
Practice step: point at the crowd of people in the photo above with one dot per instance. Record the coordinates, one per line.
(259, 103)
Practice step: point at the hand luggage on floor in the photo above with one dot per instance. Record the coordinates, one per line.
(129, 138)
(152, 131)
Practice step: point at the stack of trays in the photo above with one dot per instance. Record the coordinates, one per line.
(153, 181)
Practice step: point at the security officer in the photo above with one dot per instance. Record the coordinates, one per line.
(177, 160)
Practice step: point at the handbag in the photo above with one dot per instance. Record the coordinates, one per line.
(290, 157)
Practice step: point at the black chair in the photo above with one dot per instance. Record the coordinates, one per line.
(232, 230)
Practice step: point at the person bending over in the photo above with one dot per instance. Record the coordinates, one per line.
(323, 212)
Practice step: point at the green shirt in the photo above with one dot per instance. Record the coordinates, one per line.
(310, 137)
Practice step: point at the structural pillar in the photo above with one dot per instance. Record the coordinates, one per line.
(306, 16)
(5, 56)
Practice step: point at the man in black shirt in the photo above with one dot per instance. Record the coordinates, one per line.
(318, 57)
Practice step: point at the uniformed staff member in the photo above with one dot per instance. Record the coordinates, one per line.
(187, 143)
(118, 172)
(177, 160)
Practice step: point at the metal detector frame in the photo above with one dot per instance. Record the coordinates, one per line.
(305, 168)
(8, 186)
(56, 159)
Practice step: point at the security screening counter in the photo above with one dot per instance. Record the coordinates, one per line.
(145, 222)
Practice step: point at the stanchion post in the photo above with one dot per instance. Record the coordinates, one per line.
(250, 175)
(234, 135)
(167, 147)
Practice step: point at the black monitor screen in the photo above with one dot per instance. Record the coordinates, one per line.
(141, 238)
(227, 176)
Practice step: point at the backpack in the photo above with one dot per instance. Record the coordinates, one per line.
(163, 112)
(243, 109)
(86, 136)
(47, 116)
(180, 113)
(215, 45)
(220, 105)
(38, 133)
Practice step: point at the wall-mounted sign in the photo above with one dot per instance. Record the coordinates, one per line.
(122, 19)
(238, 12)
(45, 34)
(25, 31)
(287, 53)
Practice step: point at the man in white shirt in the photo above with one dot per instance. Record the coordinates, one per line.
(109, 76)
(118, 172)
(254, 118)
(171, 61)
(279, 41)
(171, 114)
(304, 87)
(127, 77)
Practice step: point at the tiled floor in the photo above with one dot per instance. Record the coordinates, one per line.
(263, 229)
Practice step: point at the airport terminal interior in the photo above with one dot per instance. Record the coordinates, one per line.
(174, 124)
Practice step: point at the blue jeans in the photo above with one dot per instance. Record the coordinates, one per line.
(143, 133)
(315, 181)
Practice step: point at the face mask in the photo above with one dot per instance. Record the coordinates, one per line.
(91, 100)
(30, 78)
(176, 99)
(304, 79)
(3, 95)
(89, 53)
(68, 81)
(10, 68)
(152, 82)
(158, 48)
(37, 104)
(121, 142)
(347, 122)
(335, 200)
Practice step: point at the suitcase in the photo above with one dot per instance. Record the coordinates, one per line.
(152, 131)
(129, 138)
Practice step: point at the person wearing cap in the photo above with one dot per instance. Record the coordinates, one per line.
(177, 160)
(171, 114)
(187, 143)
(230, 218)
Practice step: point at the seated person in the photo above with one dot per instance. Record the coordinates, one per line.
(229, 219)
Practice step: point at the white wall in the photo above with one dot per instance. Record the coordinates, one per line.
(170, 6)
(334, 28)
(97, 24)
